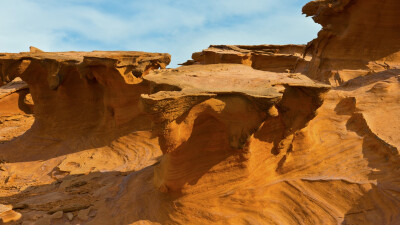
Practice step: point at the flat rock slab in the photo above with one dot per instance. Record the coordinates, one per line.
(122, 56)
(15, 85)
(130, 64)
(224, 79)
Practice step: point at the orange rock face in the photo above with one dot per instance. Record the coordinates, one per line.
(16, 109)
(87, 121)
(82, 96)
(238, 135)
(273, 58)
(220, 108)
(358, 38)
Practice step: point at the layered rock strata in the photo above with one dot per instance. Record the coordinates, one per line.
(233, 137)
(357, 38)
(206, 114)
(7, 214)
(87, 120)
(83, 96)
(16, 109)
(273, 58)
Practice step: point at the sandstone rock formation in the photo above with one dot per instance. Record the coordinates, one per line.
(238, 135)
(358, 38)
(274, 58)
(7, 214)
(87, 120)
(207, 114)
(16, 108)
(85, 98)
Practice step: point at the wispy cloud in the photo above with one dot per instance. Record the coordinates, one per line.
(178, 27)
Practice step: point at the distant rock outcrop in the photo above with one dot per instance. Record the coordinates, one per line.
(273, 58)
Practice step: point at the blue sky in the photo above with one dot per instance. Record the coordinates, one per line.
(178, 27)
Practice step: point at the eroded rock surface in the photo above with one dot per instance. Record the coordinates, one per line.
(358, 38)
(16, 109)
(87, 98)
(273, 58)
(87, 120)
(7, 214)
(207, 113)
(239, 135)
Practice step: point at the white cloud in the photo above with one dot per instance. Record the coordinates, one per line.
(178, 27)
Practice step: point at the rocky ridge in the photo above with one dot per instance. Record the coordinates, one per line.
(273, 58)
